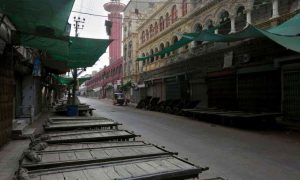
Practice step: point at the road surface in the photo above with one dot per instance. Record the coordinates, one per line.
(230, 153)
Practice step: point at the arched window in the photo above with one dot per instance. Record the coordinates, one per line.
(161, 47)
(129, 49)
(156, 51)
(168, 45)
(144, 61)
(184, 7)
(225, 25)
(241, 19)
(143, 37)
(161, 23)
(151, 31)
(209, 24)
(147, 54)
(198, 28)
(151, 53)
(174, 40)
(174, 14)
(125, 52)
(147, 34)
(261, 11)
(155, 28)
(167, 20)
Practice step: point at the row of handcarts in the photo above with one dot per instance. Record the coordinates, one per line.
(91, 148)
(172, 106)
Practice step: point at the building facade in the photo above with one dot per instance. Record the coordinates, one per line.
(133, 16)
(107, 80)
(236, 75)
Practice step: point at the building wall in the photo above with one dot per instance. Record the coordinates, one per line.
(6, 96)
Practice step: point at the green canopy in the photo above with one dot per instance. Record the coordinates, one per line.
(183, 41)
(68, 81)
(76, 52)
(285, 34)
(43, 17)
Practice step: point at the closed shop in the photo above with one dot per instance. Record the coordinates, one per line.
(222, 90)
(158, 89)
(259, 89)
(172, 88)
(177, 88)
(291, 92)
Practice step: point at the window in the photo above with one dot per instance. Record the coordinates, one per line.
(225, 25)
(168, 45)
(198, 28)
(184, 7)
(143, 55)
(174, 14)
(241, 19)
(167, 20)
(156, 51)
(143, 37)
(125, 52)
(161, 23)
(151, 31)
(162, 46)
(130, 49)
(151, 53)
(156, 28)
(175, 39)
(147, 34)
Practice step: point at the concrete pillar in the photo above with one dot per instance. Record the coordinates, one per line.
(249, 18)
(275, 9)
(216, 31)
(232, 21)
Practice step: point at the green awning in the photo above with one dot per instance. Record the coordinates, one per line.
(42, 17)
(285, 34)
(183, 41)
(68, 81)
(76, 52)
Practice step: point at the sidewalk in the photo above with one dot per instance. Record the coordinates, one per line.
(12, 151)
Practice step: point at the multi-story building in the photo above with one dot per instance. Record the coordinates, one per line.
(251, 75)
(133, 13)
(107, 80)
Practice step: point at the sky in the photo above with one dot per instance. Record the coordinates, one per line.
(93, 26)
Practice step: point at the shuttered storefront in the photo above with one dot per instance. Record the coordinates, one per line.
(259, 91)
(222, 90)
(177, 88)
(158, 89)
(172, 88)
(291, 94)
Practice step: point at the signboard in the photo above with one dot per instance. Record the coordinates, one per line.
(36, 67)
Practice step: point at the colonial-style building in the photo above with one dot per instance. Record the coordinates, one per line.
(133, 14)
(252, 75)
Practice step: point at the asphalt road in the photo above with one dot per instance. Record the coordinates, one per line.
(231, 153)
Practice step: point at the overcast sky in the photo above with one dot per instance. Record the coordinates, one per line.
(94, 25)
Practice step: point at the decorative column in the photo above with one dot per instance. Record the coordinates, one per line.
(232, 21)
(275, 9)
(248, 15)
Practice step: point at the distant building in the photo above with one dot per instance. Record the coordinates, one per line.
(107, 80)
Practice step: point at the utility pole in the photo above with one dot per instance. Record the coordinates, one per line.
(78, 24)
